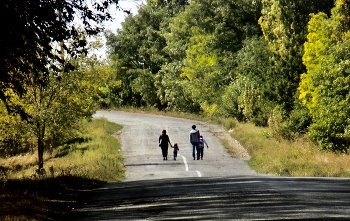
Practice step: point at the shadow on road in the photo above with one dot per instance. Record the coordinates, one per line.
(231, 198)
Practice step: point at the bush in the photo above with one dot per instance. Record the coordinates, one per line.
(299, 120)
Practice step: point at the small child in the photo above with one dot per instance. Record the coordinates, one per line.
(201, 146)
(176, 149)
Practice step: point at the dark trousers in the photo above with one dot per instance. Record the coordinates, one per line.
(201, 152)
(194, 150)
(165, 151)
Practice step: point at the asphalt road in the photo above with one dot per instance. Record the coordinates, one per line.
(218, 187)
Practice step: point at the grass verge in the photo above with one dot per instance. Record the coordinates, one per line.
(88, 161)
(290, 158)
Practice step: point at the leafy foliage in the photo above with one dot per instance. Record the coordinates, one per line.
(284, 24)
(55, 109)
(137, 50)
(324, 88)
(36, 28)
(244, 59)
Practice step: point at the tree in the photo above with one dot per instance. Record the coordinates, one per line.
(138, 52)
(15, 136)
(203, 41)
(324, 88)
(34, 29)
(55, 109)
(284, 24)
(253, 88)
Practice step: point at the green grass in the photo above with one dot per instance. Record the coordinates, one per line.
(92, 161)
(94, 155)
(299, 157)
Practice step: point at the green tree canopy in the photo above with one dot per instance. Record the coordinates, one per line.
(324, 88)
(32, 31)
(284, 24)
(137, 50)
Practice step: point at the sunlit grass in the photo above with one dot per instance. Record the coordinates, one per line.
(97, 157)
(94, 160)
(292, 158)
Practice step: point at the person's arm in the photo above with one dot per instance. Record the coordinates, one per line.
(169, 141)
(206, 143)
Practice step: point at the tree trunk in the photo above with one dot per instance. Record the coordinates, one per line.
(41, 133)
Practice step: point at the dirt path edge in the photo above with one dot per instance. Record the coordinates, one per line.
(234, 148)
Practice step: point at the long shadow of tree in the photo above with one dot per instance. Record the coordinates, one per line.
(40, 199)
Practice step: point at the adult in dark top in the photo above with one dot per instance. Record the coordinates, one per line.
(194, 140)
(163, 143)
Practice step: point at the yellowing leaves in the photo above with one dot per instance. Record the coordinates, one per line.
(198, 58)
(324, 88)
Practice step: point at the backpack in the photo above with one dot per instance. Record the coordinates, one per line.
(194, 137)
(201, 143)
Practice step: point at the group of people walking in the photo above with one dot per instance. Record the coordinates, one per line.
(197, 142)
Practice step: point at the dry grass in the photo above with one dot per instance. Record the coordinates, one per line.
(92, 160)
(95, 156)
(292, 158)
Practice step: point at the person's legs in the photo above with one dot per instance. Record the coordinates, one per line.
(164, 153)
(194, 148)
(175, 155)
(198, 152)
(202, 153)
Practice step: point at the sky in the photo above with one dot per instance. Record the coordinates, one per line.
(118, 16)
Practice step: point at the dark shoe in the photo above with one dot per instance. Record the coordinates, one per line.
(194, 158)
(163, 158)
(201, 158)
(166, 158)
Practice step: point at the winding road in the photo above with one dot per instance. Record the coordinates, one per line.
(219, 187)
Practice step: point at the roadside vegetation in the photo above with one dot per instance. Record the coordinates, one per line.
(93, 154)
(93, 158)
(271, 154)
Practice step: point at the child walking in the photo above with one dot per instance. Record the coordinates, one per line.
(201, 146)
(176, 149)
